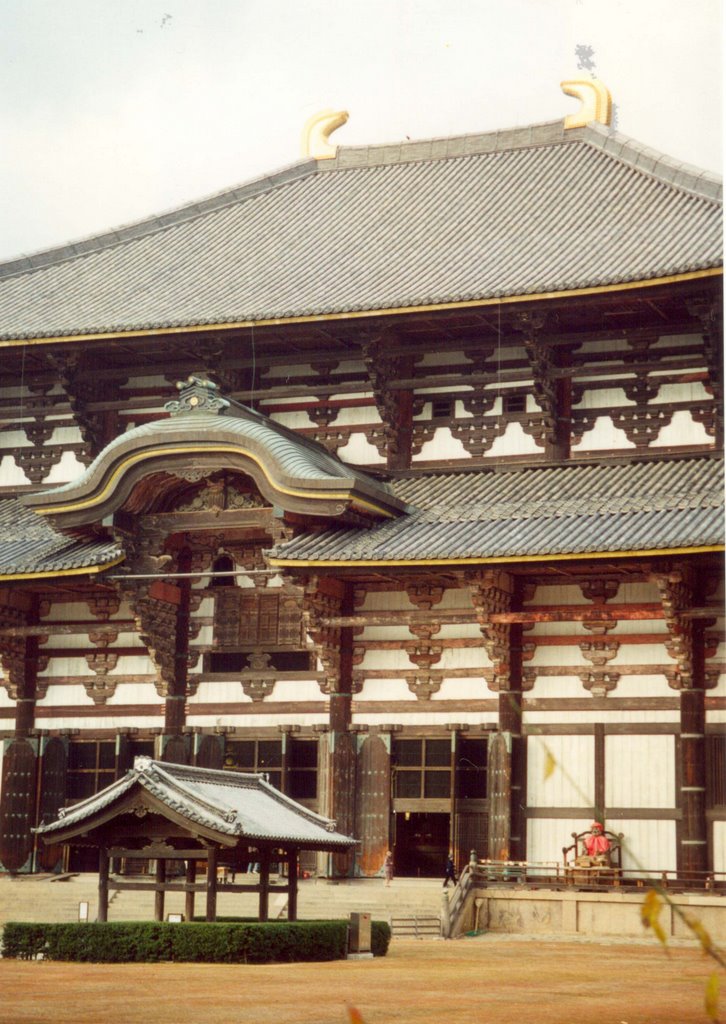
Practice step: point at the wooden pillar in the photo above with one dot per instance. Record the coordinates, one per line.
(693, 835)
(191, 877)
(264, 906)
(159, 893)
(103, 865)
(292, 885)
(211, 884)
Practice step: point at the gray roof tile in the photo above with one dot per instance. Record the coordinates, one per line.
(510, 213)
(29, 545)
(573, 510)
(231, 803)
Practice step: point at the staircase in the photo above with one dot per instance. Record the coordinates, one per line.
(411, 905)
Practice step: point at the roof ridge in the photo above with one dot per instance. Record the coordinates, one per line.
(684, 176)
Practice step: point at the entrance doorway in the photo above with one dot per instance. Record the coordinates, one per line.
(422, 843)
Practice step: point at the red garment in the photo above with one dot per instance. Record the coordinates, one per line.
(595, 844)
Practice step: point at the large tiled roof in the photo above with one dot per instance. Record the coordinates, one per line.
(229, 803)
(30, 546)
(537, 513)
(479, 217)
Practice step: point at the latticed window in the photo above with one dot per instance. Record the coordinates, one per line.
(263, 757)
(471, 769)
(91, 767)
(246, 617)
(422, 768)
(303, 774)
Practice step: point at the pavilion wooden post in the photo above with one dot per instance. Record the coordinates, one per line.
(292, 885)
(159, 893)
(264, 909)
(191, 877)
(103, 866)
(211, 884)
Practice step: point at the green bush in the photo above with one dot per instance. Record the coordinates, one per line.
(380, 937)
(151, 942)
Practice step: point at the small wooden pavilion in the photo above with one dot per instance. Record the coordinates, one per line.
(169, 813)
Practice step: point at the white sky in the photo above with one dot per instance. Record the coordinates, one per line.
(111, 110)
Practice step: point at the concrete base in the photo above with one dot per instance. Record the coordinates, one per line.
(359, 956)
(570, 912)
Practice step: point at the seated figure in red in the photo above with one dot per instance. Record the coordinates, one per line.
(597, 847)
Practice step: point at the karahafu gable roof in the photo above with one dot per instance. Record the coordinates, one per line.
(233, 805)
(521, 212)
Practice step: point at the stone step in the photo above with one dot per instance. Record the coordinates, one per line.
(37, 898)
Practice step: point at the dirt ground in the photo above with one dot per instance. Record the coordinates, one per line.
(472, 981)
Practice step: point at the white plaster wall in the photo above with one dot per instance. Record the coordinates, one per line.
(556, 686)
(606, 717)
(459, 631)
(76, 640)
(462, 688)
(640, 771)
(603, 435)
(65, 695)
(218, 693)
(297, 690)
(557, 595)
(641, 654)
(442, 446)
(385, 689)
(384, 633)
(719, 846)
(546, 837)
(135, 693)
(604, 398)
(513, 441)
(357, 414)
(359, 451)
(67, 434)
(288, 370)
(297, 420)
(386, 600)
(5, 699)
(425, 718)
(257, 721)
(386, 660)
(692, 391)
(567, 655)
(682, 430)
(11, 475)
(113, 722)
(649, 845)
(572, 783)
(643, 686)
(463, 657)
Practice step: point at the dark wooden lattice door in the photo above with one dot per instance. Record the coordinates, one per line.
(54, 767)
(18, 804)
(374, 803)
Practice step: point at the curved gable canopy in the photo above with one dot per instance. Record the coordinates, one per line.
(206, 431)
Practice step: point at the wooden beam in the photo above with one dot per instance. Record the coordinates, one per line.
(545, 613)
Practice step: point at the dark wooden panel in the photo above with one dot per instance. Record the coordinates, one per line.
(343, 773)
(211, 752)
(374, 803)
(18, 804)
(500, 782)
(175, 750)
(53, 771)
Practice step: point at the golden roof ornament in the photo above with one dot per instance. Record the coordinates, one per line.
(316, 132)
(597, 104)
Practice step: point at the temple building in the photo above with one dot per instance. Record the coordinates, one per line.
(395, 476)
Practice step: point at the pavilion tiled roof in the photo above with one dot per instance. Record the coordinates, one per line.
(232, 804)
(536, 513)
(480, 217)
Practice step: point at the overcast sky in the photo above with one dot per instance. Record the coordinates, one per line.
(112, 110)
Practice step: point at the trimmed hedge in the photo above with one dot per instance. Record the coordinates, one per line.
(153, 942)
